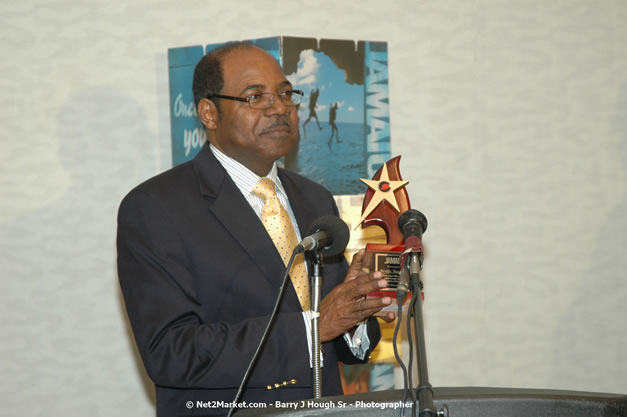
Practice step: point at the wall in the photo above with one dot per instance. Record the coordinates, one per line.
(510, 117)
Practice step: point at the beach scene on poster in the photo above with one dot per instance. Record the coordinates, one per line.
(344, 115)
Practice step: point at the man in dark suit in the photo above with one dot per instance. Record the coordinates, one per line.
(200, 273)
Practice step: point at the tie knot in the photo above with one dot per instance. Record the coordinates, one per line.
(265, 188)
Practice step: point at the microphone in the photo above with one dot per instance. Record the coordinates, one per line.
(329, 234)
(412, 224)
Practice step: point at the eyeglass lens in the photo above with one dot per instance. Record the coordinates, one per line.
(266, 100)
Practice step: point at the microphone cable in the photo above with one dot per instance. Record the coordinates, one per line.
(264, 336)
(399, 315)
(410, 341)
(407, 371)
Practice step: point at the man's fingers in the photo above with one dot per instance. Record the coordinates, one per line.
(387, 316)
(354, 270)
(358, 256)
(348, 304)
(366, 305)
(365, 284)
(365, 308)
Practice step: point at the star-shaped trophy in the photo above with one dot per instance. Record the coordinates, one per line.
(384, 201)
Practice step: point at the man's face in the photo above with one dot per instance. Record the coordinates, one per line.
(255, 138)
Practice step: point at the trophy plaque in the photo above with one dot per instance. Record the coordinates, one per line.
(384, 201)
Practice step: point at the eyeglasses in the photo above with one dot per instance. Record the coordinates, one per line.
(263, 101)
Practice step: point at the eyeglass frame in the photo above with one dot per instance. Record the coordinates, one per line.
(250, 97)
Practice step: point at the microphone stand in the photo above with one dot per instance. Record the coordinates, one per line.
(316, 290)
(425, 390)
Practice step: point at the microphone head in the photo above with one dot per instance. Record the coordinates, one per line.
(412, 222)
(337, 229)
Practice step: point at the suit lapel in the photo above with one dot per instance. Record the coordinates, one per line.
(299, 202)
(228, 205)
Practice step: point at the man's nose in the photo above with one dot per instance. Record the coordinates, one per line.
(278, 107)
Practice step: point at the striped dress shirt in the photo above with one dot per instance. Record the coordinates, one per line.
(246, 180)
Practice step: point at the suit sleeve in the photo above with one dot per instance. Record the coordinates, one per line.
(178, 346)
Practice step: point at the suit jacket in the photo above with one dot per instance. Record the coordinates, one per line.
(200, 276)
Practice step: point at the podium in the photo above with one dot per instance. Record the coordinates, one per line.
(462, 402)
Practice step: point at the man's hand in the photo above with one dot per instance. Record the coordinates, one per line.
(347, 304)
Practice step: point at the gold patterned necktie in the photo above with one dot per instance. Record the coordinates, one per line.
(279, 226)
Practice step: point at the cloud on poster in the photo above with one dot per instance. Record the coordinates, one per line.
(316, 70)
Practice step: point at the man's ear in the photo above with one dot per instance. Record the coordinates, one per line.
(208, 113)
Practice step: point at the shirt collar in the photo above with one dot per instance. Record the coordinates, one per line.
(244, 178)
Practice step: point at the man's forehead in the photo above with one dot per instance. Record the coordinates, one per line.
(251, 66)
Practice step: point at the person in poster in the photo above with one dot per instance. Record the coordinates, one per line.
(313, 101)
(334, 131)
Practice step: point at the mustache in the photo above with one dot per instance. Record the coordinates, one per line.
(279, 122)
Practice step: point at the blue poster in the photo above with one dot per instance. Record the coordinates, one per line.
(344, 115)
